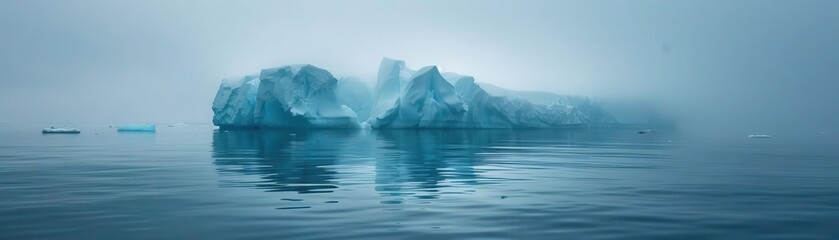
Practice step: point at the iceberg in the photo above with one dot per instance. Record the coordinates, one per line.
(509, 109)
(428, 101)
(305, 96)
(136, 128)
(759, 136)
(490, 111)
(60, 130)
(235, 102)
(562, 109)
(300, 96)
(392, 77)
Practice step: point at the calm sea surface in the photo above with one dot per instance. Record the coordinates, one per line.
(198, 182)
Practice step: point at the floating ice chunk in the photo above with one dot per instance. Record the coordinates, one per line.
(60, 130)
(136, 128)
(759, 136)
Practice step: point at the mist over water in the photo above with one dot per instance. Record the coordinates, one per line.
(719, 67)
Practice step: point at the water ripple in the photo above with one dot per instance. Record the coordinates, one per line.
(196, 182)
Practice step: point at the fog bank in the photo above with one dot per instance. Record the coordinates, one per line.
(727, 66)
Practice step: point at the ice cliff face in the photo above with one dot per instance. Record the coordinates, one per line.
(428, 101)
(235, 102)
(488, 110)
(392, 78)
(300, 96)
(554, 110)
(304, 96)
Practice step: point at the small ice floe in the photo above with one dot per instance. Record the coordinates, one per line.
(177, 125)
(759, 136)
(645, 131)
(60, 130)
(136, 128)
(823, 132)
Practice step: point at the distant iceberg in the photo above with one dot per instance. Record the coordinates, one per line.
(60, 130)
(759, 136)
(137, 128)
(305, 96)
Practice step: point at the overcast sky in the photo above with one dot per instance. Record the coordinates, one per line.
(756, 64)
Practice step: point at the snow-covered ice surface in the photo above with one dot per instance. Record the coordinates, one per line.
(137, 128)
(60, 130)
(300, 96)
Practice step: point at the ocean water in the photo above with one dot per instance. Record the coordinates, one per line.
(199, 182)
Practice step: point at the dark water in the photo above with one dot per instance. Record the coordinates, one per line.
(196, 182)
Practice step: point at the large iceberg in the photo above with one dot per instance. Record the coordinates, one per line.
(305, 96)
(235, 102)
(300, 96)
(429, 100)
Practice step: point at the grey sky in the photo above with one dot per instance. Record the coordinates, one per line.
(754, 64)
